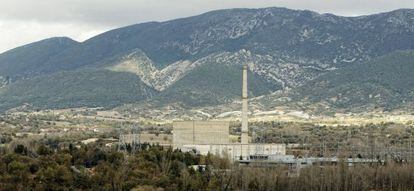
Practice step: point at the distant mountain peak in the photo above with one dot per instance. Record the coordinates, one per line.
(53, 40)
(28, 60)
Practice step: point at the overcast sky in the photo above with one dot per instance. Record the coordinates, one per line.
(25, 21)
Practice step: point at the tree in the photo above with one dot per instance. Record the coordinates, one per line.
(43, 150)
(20, 149)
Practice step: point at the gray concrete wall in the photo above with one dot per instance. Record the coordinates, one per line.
(200, 132)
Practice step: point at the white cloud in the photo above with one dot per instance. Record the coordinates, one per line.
(24, 21)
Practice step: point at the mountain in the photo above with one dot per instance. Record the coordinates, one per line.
(29, 60)
(382, 84)
(196, 61)
(213, 84)
(85, 88)
(385, 82)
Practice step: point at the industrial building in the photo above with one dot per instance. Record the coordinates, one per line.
(213, 137)
(200, 132)
(238, 151)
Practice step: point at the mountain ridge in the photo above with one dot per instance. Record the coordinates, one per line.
(20, 61)
(285, 49)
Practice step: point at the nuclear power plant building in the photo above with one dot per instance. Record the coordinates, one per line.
(200, 132)
(213, 137)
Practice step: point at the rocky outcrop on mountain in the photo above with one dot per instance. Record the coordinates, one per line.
(138, 63)
(4, 81)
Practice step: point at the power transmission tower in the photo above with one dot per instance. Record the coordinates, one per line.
(129, 140)
(410, 147)
(371, 143)
(135, 138)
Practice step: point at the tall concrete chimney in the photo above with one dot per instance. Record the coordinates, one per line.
(245, 126)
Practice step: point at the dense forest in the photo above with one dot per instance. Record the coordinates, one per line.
(95, 167)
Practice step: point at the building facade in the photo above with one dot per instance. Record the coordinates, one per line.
(200, 132)
(237, 151)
